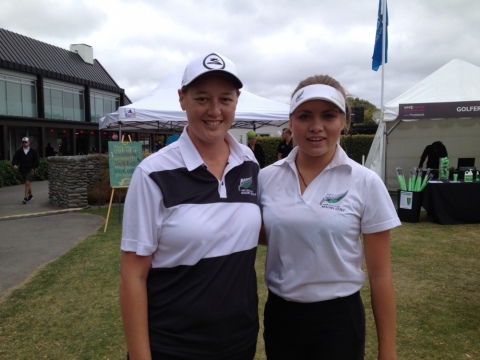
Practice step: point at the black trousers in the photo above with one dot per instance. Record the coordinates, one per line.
(326, 330)
(248, 354)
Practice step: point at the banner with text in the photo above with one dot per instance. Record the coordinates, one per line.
(441, 110)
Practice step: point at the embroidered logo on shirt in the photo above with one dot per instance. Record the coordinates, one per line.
(244, 186)
(330, 201)
(245, 183)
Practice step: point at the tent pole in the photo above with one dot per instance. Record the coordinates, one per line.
(393, 127)
(385, 140)
(384, 160)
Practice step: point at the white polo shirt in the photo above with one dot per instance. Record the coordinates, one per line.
(314, 248)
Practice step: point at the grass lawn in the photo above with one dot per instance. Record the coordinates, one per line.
(69, 308)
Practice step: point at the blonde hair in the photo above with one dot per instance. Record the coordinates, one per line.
(330, 81)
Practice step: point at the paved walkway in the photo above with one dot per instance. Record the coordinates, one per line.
(36, 233)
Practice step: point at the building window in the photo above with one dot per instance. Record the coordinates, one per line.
(17, 96)
(63, 102)
(102, 104)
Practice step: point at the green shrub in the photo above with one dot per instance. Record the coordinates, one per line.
(269, 145)
(8, 175)
(355, 146)
(42, 171)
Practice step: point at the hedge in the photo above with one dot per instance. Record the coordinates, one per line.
(9, 176)
(355, 146)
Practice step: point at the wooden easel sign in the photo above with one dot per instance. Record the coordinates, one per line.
(123, 158)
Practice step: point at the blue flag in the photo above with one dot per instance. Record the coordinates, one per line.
(377, 51)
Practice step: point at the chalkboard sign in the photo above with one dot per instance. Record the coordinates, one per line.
(123, 159)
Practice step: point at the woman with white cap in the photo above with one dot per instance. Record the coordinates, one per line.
(315, 254)
(190, 230)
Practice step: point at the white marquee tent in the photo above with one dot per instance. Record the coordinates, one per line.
(445, 106)
(160, 111)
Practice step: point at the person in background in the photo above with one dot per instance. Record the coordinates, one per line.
(188, 288)
(256, 148)
(49, 150)
(433, 153)
(159, 145)
(313, 235)
(172, 138)
(26, 160)
(286, 145)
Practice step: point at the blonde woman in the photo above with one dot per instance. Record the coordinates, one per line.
(317, 203)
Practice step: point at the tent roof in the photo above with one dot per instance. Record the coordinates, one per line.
(160, 110)
(457, 80)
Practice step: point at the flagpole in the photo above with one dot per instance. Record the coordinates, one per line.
(382, 111)
(384, 24)
(379, 58)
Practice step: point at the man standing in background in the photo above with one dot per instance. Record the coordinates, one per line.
(286, 145)
(26, 161)
(256, 148)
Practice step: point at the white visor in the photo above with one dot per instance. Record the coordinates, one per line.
(317, 92)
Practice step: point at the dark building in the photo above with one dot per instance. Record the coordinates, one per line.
(53, 95)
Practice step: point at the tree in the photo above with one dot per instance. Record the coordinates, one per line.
(369, 109)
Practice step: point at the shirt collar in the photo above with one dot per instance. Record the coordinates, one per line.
(193, 159)
(340, 158)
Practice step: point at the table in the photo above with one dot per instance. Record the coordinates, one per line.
(450, 203)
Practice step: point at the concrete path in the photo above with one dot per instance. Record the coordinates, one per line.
(36, 233)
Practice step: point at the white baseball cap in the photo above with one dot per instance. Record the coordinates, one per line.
(318, 92)
(25, 139)
(212, 62)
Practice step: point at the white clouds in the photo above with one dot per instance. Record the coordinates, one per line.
(51, 21)
(275, 43)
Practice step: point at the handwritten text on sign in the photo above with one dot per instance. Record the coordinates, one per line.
(123, 159)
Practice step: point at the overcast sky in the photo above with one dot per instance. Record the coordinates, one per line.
(274, 43)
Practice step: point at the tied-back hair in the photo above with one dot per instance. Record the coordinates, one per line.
(330, 81)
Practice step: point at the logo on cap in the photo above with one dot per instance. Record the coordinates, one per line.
(299, 97)
(213, 62)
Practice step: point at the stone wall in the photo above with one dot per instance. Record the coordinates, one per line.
(70, 177)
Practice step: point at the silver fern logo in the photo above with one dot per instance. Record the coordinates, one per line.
(331, 200)
(299, 96)
(245, 183)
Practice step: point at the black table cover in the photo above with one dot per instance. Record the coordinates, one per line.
(452, 203)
